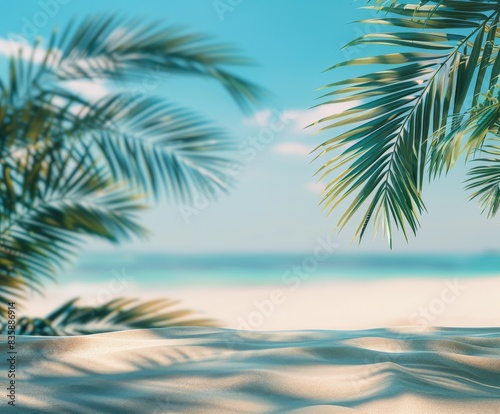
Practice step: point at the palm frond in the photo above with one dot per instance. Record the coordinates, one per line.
(118, 49)
(174, 151)
(157, 147)
(71, 166)
(476, 133)
(118, 314)
(401, 114)
(485, 180)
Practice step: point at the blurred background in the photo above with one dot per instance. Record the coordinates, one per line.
(270, 221)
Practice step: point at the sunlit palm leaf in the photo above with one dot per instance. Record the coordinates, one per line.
(405, 111)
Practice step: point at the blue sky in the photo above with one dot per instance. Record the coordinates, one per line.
(274, 205)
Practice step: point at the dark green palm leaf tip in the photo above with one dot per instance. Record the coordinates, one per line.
(121, 49)
(73, 166)
(425, 105)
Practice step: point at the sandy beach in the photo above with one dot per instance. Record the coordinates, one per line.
(211, 370)
(314, 304)
(311, 350)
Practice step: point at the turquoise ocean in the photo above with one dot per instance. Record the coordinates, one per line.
(160, 269)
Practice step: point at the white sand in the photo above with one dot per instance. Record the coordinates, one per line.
(209, 370)
(418, 369)
(468, 302)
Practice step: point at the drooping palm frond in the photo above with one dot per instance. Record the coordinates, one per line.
(449, 55)
(118, 314)
(170, 144)
(72, 166)
(120, 50)
(115, 48)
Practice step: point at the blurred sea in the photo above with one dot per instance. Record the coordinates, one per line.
(247, 269)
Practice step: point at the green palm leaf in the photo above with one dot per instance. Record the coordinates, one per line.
(116, 49)
(73, 167)
(407, 115)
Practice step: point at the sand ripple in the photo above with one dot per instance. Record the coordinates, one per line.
(206, 370)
